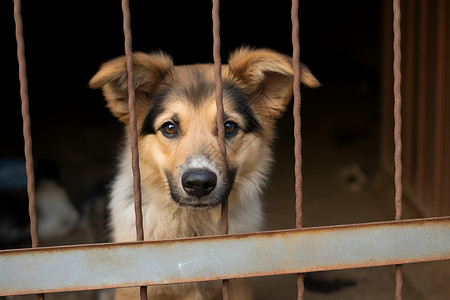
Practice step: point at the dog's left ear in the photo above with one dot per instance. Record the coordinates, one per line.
(267, 77)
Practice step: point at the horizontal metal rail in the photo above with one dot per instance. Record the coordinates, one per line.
(100, 266)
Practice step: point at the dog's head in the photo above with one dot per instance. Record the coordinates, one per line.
(176, 113)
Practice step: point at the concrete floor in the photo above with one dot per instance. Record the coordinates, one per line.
(342, 185)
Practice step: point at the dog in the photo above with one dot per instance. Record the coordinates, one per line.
(184, 176)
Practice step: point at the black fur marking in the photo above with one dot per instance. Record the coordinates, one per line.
(242, 105)
(158, 108)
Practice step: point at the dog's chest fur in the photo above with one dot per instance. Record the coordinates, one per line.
(164, 219)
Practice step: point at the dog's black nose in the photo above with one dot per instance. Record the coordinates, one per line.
(199, 183)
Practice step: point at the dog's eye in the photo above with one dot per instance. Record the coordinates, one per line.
(169, 129)
(231, 128)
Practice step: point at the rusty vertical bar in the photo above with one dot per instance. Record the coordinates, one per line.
(297, 133)
(297, 115)
(28, 149)
(133, 129)
(28, 146)
(219, 94)
(397, 111)
(397, 133)
(220, 119)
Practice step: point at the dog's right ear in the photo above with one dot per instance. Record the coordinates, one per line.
(149, 71)
(266, 77)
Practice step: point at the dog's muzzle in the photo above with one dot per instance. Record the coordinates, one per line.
(200, 187)
(198, 182)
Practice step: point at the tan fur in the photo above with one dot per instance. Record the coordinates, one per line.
(261, 77)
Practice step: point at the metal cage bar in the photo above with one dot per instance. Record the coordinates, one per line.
(297, 133)
(134, 142)
(397, 132)
(28, 148)
(208, 258)
(220, 120)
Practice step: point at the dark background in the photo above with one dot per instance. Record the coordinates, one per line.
(66, 41)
